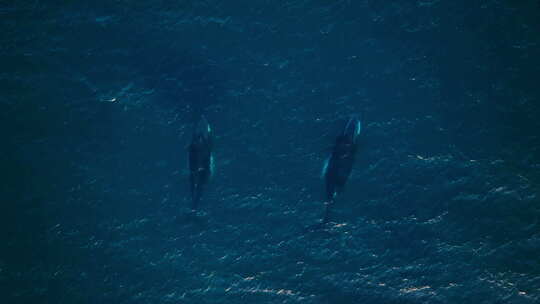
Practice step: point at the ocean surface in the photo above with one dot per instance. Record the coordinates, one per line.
(99, 100)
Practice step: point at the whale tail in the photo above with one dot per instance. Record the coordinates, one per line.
(196, 196)
(196, 193)
(195, 201)
(326, 216)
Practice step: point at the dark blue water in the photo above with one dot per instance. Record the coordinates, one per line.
(98, 102)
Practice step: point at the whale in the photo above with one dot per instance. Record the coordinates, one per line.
(338, 165)
(201, 160)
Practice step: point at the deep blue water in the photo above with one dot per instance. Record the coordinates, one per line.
(98, 104)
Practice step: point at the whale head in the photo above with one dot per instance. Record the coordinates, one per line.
(352, 129)
(203, 128)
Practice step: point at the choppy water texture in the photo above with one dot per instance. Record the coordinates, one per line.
(99, 99)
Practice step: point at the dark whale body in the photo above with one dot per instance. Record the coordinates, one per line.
(338, 166)
(201, 160)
